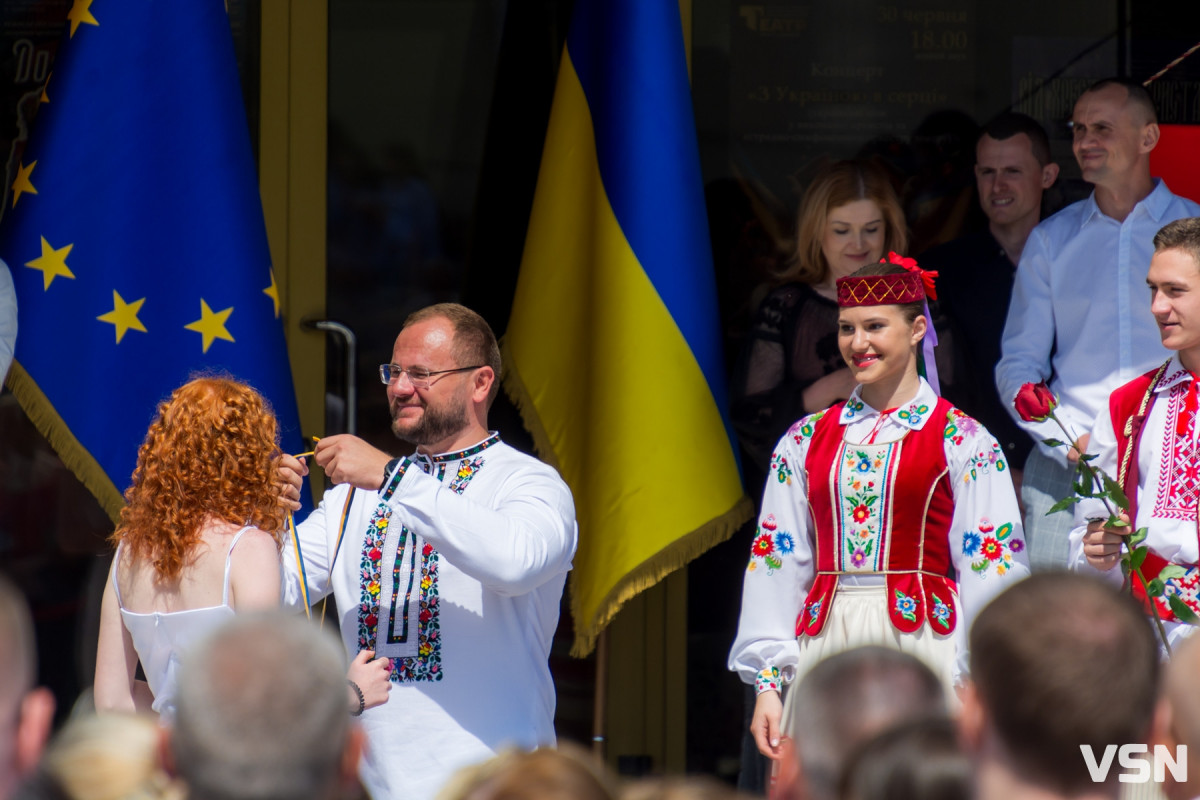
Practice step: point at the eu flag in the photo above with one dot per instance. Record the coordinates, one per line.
(613, 346)
(135, 236)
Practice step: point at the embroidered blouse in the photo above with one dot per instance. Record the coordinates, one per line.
(1168, 488)
(455, 571)
(986, 542)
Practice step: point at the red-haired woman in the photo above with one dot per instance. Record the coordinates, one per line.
(199, 538)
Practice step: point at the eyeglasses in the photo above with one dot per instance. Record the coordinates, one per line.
(417, 376)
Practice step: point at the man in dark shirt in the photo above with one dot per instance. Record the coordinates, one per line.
(975, 272)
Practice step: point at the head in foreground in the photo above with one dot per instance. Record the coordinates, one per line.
(262, 713)
(1058, 661)
(844, 701)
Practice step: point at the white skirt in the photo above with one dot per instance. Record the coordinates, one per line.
(859, 616)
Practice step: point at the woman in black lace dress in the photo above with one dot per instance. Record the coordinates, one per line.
(790, 365)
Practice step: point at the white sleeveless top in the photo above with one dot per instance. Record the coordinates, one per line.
(162, 637)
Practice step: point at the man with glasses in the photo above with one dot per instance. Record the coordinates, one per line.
(449, 561)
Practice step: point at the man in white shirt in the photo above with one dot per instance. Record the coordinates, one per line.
(1076, 318)
(1148, 440)
(449, 561)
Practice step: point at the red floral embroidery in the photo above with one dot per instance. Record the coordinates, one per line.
(992, 549)
(1179, 486)
(763, 545)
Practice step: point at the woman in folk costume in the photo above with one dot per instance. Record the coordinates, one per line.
(887, 519)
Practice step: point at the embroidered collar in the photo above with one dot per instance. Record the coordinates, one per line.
(912, 414)
(492, 440)
(1176, 375)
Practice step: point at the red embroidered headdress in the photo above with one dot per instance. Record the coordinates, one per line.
(912, 286)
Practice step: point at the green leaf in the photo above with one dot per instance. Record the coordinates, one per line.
(1125, 568)
(1172, 571)
(1089, 457)
(1115, 491)
(1053, 443)
(1116, 522)
(1155, 588)
(1139, 536)
(1137, 557)
(1062, 505)
(1183, 610)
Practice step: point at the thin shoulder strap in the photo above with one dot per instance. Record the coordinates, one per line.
(229, 561)
(116, 584)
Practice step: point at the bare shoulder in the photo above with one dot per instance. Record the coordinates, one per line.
(256, 544)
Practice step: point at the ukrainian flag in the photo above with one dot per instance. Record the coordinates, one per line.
(613, 348)
(134, 232)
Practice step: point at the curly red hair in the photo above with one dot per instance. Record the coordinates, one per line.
(210, 453)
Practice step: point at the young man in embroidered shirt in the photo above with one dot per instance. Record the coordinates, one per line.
(1074, 319)
(1149, 441)
(449, 561)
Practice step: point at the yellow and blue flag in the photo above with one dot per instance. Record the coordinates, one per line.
(613, 348)
(134, 233)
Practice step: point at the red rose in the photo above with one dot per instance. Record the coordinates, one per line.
(371, 620)
(1034, 402)
(374, 555)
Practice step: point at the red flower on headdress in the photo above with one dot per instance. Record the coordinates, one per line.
(910, 264)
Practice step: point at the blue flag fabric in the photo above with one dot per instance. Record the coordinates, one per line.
(613, 346)
(135, 237)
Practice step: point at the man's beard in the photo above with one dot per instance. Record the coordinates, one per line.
(435, 425)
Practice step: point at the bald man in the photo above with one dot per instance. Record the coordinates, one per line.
(1077, 318)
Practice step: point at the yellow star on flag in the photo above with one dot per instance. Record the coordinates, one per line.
(272, 292)
(45, 98)
(124, 316)
(81, 12)
(52, 263)
(211, 325)
(22, 183)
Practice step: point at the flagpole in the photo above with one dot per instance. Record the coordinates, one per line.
(599, 720)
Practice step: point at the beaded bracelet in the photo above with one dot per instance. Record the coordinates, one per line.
(767, 680)
(362, 701)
